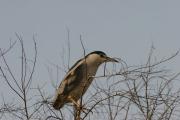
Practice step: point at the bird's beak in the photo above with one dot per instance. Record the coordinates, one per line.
(108, 59)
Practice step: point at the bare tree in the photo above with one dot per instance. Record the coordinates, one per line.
(123, 92)
(21, 85)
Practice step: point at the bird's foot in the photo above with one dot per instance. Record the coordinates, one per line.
(84, 109)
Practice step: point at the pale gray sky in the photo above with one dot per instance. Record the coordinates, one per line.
(121, 28)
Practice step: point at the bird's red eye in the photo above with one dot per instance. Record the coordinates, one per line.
(102, 55)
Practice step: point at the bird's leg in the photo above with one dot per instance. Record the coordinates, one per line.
(77, 110)
(78, 105)
(74, 102)
(83, 108)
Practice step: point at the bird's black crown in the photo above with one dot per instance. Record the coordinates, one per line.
(98, 52)
(94, 52)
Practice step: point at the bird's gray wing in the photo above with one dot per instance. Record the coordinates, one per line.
(72, 80)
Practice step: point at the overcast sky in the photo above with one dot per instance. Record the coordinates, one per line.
(121, 28)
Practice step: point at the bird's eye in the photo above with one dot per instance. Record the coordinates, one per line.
(102, 55)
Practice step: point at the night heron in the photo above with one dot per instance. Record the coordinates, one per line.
(78, 79)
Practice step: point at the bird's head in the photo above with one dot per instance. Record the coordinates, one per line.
(99, 57)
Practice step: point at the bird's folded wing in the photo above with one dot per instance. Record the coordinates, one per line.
(72, 80)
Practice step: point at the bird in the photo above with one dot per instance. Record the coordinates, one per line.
(78, 79)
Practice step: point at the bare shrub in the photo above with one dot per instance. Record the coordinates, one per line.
(141, 92)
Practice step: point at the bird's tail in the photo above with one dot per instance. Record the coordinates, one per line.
(58, 102)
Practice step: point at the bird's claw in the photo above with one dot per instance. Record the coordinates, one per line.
(84, 109)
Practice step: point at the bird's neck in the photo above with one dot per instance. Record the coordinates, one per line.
(92, 69)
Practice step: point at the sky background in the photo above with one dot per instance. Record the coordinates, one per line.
(121, 28)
